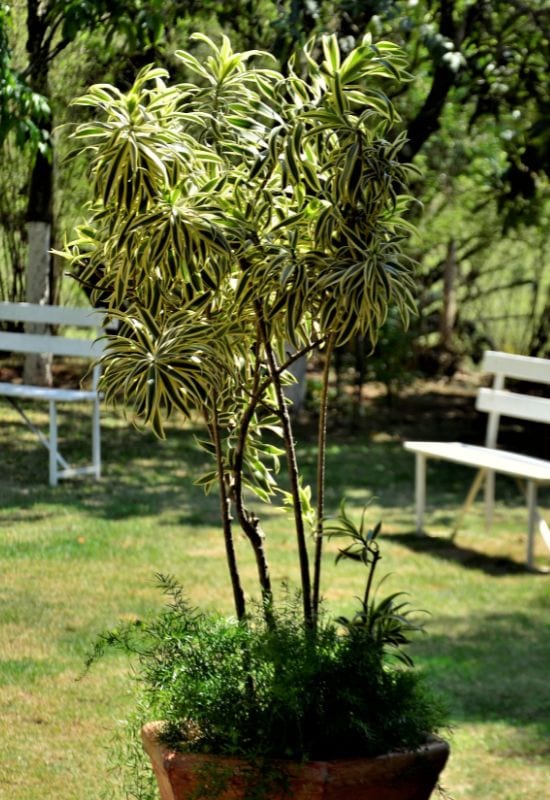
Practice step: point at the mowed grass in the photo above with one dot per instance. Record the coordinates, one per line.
(77, 558)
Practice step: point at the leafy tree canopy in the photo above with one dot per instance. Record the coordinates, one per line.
(21, 109)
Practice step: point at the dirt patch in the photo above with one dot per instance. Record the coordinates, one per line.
(65, 376)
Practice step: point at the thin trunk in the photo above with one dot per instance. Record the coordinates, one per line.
(225, 509)
(359, 379)
(37, 369)
(368, 588)
(321, 475)
(40, 280)
(250, 525)
(293, 472)
(428, 119)
(248, 521)
(539, 343)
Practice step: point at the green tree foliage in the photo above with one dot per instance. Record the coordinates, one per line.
(477, 124)
(25, 93)
(476, 120)
(22, 111)
(492, 57)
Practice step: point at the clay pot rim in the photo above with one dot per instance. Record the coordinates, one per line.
(150, 732)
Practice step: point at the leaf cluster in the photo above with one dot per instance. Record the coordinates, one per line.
(389, 622)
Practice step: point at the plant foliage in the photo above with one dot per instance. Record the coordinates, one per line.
(240, 220)
(268, 691)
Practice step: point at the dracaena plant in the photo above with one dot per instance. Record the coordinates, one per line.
(240, 220)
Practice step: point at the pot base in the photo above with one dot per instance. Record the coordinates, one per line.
(408, 775)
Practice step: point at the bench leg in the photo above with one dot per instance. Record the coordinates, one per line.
(544, 531)
(536, 522)
(533, 519)
(470, 498)
(96, 441)
(420, 491)
(489, 497)
(53, 444)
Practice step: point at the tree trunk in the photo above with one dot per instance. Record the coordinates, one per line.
(37, 368)
(449, 310)
(40, 277)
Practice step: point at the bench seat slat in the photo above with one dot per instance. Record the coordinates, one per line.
(503, 461)
(23, 391)
(53, 315)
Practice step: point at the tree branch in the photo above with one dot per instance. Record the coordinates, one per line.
(249, 523)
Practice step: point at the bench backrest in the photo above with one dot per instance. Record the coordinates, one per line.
(53, 315)
(497, 400)
(45, 342)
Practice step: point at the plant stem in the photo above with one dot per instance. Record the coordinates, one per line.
(375, 556)
(293, 472)
(249, 523)
(225, 510)
(321, 475)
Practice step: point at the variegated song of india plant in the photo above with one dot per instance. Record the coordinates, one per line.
(240, 221)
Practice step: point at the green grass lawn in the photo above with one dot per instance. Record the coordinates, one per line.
(77, 558)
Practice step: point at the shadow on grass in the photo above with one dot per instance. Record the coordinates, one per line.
(141, 476)
(448, 549)
(144, 477)
(493, 667)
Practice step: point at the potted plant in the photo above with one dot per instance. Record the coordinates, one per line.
(240, 221)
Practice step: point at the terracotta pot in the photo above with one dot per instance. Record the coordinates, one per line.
(395, 776)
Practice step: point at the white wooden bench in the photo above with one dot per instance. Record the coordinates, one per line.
(496, 401)
(55, 344)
